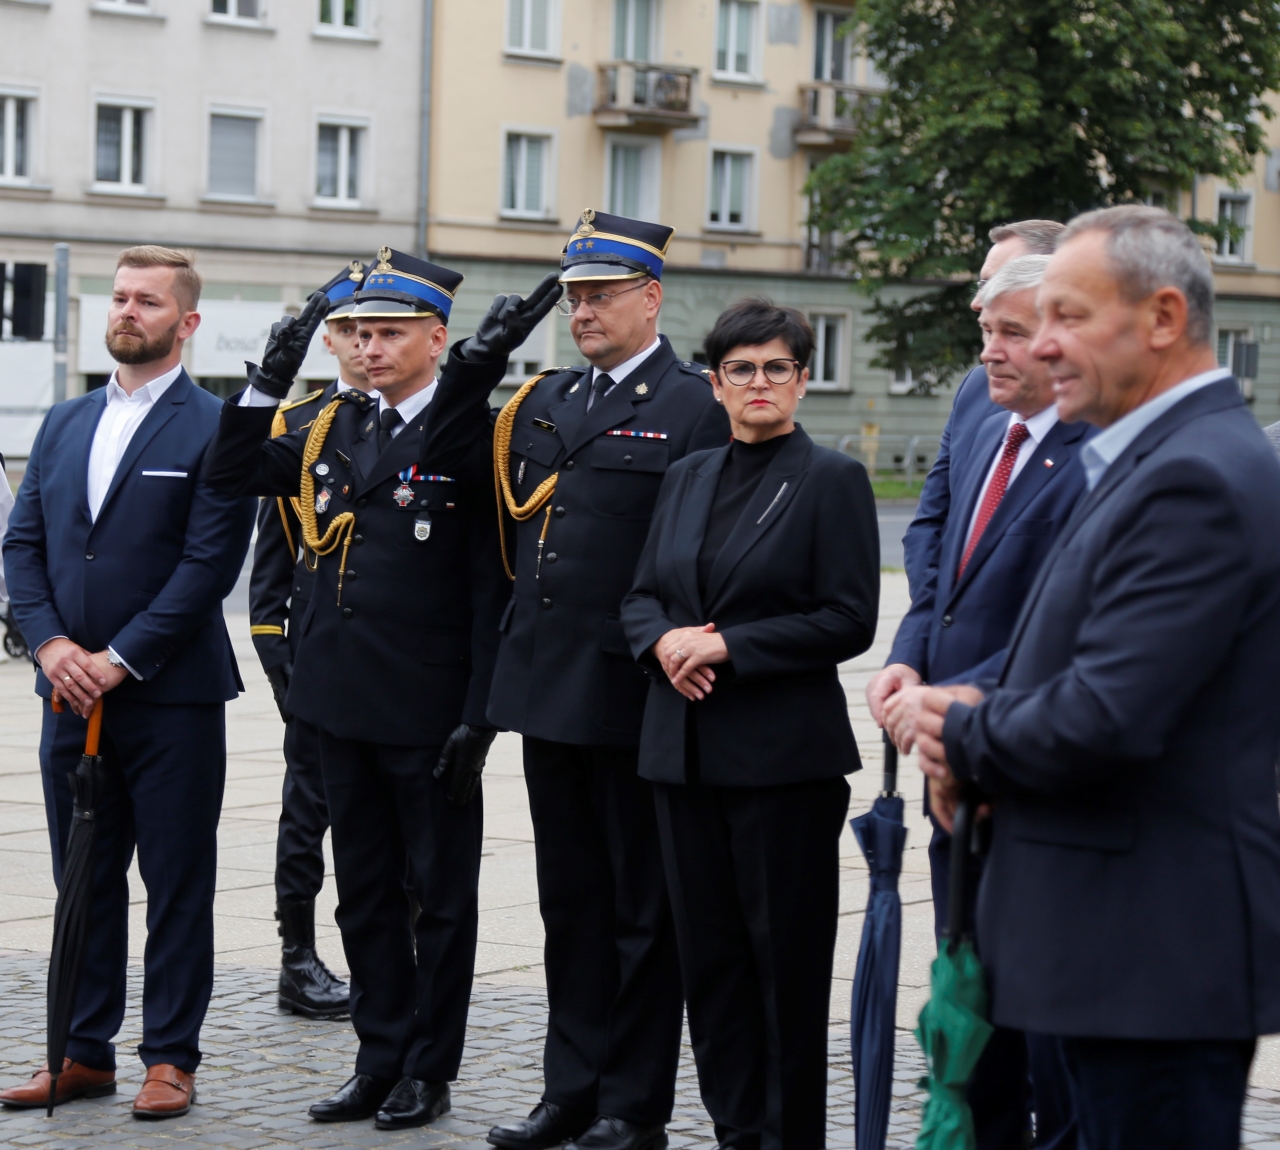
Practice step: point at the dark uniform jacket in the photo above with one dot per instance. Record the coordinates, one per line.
(280, 584)
(794, 591)
(408, 652)
(564, 670)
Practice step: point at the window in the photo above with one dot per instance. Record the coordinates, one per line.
(342, 13)
(530, 27)
(832, 54)
(525, 179)
(633, 29)
(731, 174)
(824, 367)
(1233, 210)
(633, 177)
(338, 163)
(238, 9)
(736, 38)
(120, 155)
(15, 136)
(233, 155)
(534, 355)
(903, 382)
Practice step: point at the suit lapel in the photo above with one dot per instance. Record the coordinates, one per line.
(620, 404)
(82, 444)
(403, 451)
(777, 489)
(988, 439)
(364, 448)
(691, 526)
(162, 411)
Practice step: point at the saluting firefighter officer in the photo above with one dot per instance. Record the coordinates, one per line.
(279, 591)
(395, 654)
(581, 454)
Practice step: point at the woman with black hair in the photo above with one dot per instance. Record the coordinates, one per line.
(760, 575)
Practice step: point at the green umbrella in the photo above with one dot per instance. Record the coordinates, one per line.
(953, 1026)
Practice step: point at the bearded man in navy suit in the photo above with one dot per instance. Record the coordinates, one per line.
(118, 558)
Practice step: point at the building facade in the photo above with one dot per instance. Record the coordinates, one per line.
(280, 138)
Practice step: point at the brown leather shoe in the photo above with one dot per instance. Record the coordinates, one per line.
(75, 1081)
(167, 1093)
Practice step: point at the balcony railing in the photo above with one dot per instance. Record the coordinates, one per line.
(826, 111)
(634, 94)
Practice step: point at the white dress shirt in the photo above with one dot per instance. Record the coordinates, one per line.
(410, 408)
(1038, 426)
(121, 418)
(1105, 447)
(619, 373)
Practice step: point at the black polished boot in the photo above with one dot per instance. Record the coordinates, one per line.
(548, 1125)
(307, 986)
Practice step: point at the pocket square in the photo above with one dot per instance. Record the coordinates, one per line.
(167, 474)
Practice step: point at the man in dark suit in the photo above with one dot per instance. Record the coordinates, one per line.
(279, 592)
(582, 453)
(1131, 901)
(118, 557)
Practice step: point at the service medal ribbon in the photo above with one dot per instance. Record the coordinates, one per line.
(624, 433)
(413, 475)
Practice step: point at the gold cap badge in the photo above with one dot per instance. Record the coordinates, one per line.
(384, 260)
(588, 217)
(357, 271)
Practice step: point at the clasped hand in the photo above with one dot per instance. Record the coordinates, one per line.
(686, 655)
(80, 678)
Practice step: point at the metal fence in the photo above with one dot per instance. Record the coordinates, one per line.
(910, 456)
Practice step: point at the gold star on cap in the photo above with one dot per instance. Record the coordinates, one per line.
(642, 389)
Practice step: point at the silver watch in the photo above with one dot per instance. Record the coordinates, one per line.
(114, 659)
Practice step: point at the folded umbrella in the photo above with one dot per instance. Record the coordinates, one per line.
(882, 836)
(953, 1026)
(75, 894)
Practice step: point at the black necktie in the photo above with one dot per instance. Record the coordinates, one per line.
(390, 420)
(602, 384)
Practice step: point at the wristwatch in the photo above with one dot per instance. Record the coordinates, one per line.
(114, 659)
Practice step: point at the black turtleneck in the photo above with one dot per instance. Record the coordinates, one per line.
(739, 478)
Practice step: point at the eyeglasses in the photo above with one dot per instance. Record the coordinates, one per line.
(741, 372)
(596, 301)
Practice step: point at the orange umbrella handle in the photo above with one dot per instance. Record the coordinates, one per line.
(94, 734)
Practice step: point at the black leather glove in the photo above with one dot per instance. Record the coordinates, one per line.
(279, 676)
(509, 321)
(462, 758)
(287, 348)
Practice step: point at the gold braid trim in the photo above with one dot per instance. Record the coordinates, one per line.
(342, 526)
(278, 428)
(502, 474)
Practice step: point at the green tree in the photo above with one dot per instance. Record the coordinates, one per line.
(1000, 110)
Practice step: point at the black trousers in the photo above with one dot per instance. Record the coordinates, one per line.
(1019, 1073)
(754, 875)
(165, 769)
(1146, 1095)
(304, 816)
(613, 978)
(409, 1012)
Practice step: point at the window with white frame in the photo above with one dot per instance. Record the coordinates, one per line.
(338, 163)
(1228, 340)
(526, 176)
(531, 27)
(903, 383)
(1233, 211)
(824, 367)
(238, 9)
(345, 15)
(120, 152)
(233, 154)
(736, 35)
(634, 177)
(534, 355)
(15, 137)
(832, 49)
(634, 29)
(732, 175)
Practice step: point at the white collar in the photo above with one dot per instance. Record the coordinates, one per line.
(149, 392)
(624, 369)
(343, 385)
(1038, 425)
(410, 408)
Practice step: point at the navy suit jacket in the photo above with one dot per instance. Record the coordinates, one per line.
(149, 576)
(1133, 884)
(959, 628)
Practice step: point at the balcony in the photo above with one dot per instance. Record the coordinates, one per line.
(826, 112)
(646, 96)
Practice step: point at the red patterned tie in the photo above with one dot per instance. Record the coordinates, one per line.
(995, 490)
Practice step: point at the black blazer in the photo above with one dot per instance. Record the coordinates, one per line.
(1133, 886)
(794, 591)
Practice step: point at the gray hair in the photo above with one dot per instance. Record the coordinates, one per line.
(1040, 236)
(1021, 274)
(1149, 249)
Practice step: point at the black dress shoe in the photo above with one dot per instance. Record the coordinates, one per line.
(548, 1125)
(618, 1134)
(413, 1103)
(358, 1099)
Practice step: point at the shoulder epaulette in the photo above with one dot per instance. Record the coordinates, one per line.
(311, 397)
(701, 371)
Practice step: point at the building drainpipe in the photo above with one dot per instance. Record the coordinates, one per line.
(61, 285)
(424, 163)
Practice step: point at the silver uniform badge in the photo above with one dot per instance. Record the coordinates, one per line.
(322, 469)
(574, 388)
(422, 530)
(322, 500)
(403, 495)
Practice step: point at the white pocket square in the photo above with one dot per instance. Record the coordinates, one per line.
(167, 474)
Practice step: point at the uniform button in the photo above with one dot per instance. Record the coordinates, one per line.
(546, 604)
(946, 620)
(569, 466)
(347, 612)
(551, 558)
(357, 539)
(559, 512)
(626, 459)
(352, 576)
(362, 502)
(88, 554)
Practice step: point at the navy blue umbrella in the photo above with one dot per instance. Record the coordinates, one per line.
(882, 836)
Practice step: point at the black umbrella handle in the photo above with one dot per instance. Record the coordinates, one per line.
(961, 848)
(890, 768)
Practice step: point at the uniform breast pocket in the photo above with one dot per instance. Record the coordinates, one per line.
(534, 442)
(627, 475)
